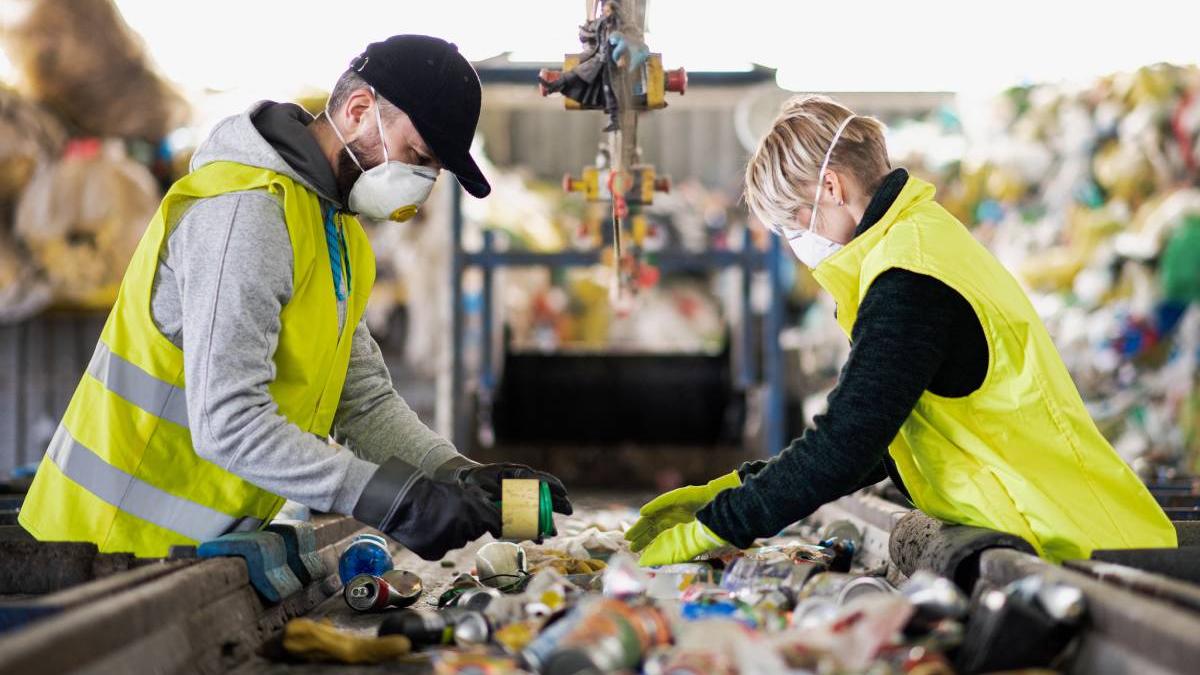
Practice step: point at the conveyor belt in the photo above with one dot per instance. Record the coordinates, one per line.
(202, 616)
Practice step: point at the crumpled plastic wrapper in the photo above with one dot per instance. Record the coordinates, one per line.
(592, 542)
(854, 637)
(722, 647)
(599, 535)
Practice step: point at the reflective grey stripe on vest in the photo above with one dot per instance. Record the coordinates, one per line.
(159, 398)
(137, 497)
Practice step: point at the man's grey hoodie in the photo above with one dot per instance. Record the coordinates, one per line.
(224, 276)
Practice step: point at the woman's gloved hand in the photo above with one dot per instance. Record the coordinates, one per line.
(428, 517)
(676, 507)
(488, 477)
(680, 544)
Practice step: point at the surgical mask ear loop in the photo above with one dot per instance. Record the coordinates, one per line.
(379, 123)
(341, 138)
(812, 222)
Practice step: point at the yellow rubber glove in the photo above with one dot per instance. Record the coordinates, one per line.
(675, 508)
(680, 544)
(315, 641)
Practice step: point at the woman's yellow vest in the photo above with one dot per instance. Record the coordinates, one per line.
(121, 470)
(1020, 454)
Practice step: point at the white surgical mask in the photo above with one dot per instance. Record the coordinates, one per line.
(392, 190)
(811, 248)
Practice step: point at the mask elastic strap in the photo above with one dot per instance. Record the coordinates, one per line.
(812, 222)
(340, 137)
(379, 123)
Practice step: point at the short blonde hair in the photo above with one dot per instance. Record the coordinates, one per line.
(781, 176)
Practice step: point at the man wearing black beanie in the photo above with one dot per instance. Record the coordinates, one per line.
(236, 351)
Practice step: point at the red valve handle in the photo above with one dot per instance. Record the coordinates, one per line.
(677, 81)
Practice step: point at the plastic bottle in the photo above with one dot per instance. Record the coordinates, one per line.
(611, 636)
(537, 652)
(367, 554)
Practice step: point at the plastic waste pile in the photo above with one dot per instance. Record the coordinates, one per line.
(1090, 196)
(787, 606)
(83, 158)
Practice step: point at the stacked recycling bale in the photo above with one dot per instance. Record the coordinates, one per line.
(71, 212)
(81, 219)
(82, 61)
(30, 139)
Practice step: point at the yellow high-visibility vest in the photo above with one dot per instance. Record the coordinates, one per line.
(121, 470)
(1020, 454)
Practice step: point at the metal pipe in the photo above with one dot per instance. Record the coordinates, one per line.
(772, 355)
(745, 352)
(487, 379)
(665, 260)
(458, 260)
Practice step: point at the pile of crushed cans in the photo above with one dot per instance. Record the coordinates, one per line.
(786, 607)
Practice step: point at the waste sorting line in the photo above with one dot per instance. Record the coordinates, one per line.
(881, 592)
(650, 621)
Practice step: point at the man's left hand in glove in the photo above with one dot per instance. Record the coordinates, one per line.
(488, 477)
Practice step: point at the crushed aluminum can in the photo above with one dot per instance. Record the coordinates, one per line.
(368, 593)
(1062, 602)
(1065, 603)
(461, 583)
(426, 628)
(935, 597)
(476, 599)
(863, 586)
(813, 612)
(472, 628)
(1020, 626)
(407, 584)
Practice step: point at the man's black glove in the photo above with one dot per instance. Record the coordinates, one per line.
(427, 516)
(464, 472)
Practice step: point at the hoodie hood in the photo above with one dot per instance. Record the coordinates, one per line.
(238, 139)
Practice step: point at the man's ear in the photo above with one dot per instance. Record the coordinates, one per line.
(357, 105)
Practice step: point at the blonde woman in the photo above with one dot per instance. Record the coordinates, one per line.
(952, 387)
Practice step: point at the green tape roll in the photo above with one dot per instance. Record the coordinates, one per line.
(545, 511)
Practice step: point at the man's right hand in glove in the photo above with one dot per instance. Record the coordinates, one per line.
(676, 507)
(426, 516)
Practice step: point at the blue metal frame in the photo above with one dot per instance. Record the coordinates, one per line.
(749, 260)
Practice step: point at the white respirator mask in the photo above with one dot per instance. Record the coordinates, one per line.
(811, 248)
(392, 190)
